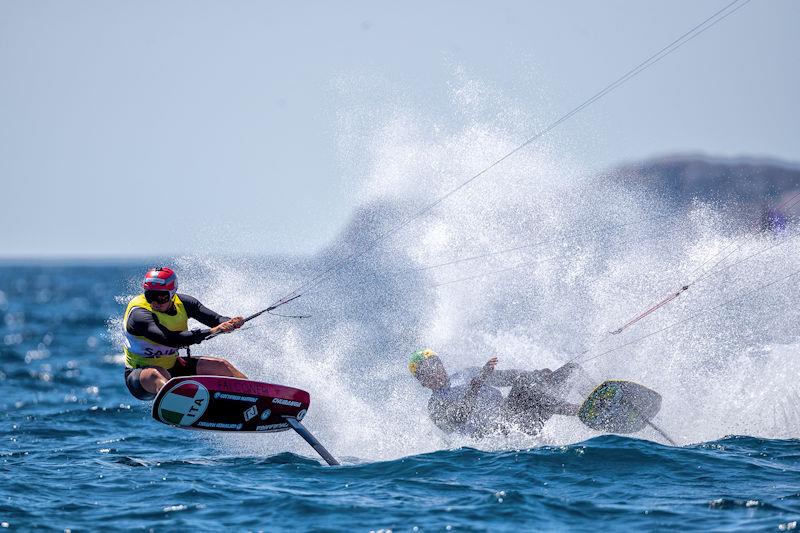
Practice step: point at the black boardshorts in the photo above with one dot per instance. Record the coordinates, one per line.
(184, 366)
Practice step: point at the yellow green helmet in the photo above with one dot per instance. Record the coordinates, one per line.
(418, 357)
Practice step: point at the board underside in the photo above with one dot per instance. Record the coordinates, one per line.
(228, 404)
(617, 406)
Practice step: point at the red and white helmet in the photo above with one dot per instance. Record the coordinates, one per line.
(161, 279)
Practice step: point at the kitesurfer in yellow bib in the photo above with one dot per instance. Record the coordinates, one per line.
(156, 325)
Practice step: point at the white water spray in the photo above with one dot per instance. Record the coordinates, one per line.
(728, 371)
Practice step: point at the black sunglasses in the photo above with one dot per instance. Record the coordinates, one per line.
(159, 297)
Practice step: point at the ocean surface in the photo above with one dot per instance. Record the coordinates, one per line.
(78, 453)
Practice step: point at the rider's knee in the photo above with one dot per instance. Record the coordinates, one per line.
(153, 373)
(150, 377)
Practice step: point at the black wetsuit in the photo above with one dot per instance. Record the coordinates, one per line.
(144, 323)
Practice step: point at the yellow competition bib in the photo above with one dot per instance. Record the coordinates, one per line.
(141, 351)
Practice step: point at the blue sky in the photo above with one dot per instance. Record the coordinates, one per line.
(157, 128)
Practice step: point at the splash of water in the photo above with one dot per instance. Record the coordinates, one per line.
(607, 252)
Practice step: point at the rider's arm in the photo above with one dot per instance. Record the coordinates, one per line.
(475, 384)
(449, 408)
(504, 378)
(201, 313)
(508, 378)
(142, 323)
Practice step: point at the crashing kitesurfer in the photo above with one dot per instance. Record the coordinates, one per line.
(468, 402)
(156, 326)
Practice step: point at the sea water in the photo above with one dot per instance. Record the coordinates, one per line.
(79, 453)
(536, 263)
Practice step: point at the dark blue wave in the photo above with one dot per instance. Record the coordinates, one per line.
(77, 452)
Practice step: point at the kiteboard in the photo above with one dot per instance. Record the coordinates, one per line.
(618, 406)
(220, 403)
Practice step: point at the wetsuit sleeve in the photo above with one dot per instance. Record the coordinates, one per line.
(504, 378)
(201, 313)
(507, 378)
(142, 323)
(467, 405)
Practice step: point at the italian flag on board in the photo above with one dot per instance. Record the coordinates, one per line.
(184, 404)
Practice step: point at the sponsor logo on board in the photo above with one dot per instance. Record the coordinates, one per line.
(272, 427)
(265, 414)
(301, 414)
(226, 396)
(218, 425)
(250, 412)
(290, 403)
(183, 404)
